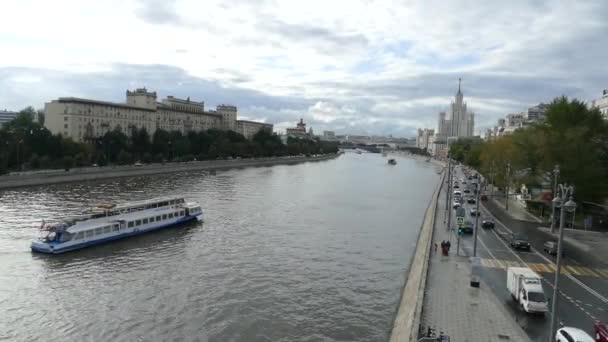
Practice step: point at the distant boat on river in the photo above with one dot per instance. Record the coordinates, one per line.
(392, 162)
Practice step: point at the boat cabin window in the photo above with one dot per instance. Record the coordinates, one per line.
(115, 228)
(157, 218)
(172, 202)
(181, 213)
(107, 229)
(98, 231)
(177, 214)
(145, 221)
(79, 236)
(163, 204)
(164, 216)
(170, 215)
(151, 219)
(138, 222)
(90, 233)
(130, 224)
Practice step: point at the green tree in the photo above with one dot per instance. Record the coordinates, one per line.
(124, 157)
(68, 163)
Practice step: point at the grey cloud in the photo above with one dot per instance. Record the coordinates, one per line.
(322, 39)
(158, 12)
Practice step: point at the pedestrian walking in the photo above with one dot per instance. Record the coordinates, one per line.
(435, 247)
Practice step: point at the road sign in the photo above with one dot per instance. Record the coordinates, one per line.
(459, 220)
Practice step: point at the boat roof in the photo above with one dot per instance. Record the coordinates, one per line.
(108, 220)
(148, 201)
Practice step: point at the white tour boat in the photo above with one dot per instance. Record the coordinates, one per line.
(112, 222)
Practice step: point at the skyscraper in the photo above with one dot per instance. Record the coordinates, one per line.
(461, 123)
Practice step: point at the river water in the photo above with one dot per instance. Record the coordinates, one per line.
(309, 252)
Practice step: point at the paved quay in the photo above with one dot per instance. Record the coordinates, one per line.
(452, 306)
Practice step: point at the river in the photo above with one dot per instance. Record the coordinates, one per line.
(308, 252)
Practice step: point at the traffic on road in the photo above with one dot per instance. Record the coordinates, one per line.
(520, 268)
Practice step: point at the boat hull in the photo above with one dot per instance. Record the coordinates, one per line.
(49, 248)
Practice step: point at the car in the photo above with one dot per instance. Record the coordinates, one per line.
(457, 193)
(456, 186)
(461, 212)
(470, 177)
(467, 228)
(473, 212)
(572, 334)
(467, 191)
(464, 182)
(471, 200)
(550, 247)
(138, 163)
(487, 224)
(519, 241)
(601, 332)
(456, 204)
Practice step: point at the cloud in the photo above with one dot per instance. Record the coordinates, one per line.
(353, 66)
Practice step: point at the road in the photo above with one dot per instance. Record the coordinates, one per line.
(583, 281)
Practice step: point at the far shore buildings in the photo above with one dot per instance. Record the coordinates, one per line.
(6, 116)
(299, 131)
(85, 119)
(424, 139)
(602, 103)
(512, 122)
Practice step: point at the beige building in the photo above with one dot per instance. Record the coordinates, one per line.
(424, 139)
(84, 119)
(250, 128)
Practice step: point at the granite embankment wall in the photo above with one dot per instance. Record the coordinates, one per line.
(407, 321)
(94, 173)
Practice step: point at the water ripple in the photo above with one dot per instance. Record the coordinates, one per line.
(309, 252)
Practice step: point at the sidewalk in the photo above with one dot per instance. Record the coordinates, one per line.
(451, 305)
(516, 209)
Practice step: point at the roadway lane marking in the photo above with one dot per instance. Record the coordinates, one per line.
(574, 279)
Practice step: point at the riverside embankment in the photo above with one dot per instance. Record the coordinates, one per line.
(93, 173)
(407, 320)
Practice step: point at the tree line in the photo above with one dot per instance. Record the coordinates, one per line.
(572, 136)
(26, 144)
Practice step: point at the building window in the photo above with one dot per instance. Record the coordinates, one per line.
(65, 118)
(65, 126)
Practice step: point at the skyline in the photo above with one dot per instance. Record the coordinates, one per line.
(367, 67)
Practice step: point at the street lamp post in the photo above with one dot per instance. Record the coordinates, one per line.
(570, 206)
(555, 175)
(507, 186)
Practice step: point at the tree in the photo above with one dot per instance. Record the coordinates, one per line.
(68, 163)
(124, 157)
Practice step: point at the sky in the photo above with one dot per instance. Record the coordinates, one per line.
(352, 66)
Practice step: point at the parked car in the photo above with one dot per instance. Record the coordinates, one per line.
(138, 163)
(467, 191)
(456, 186)
(572, 334)
(601, 332)
(551, 248)
(471, 200)
(487, 224)
(473, 212)
(456, 205)
(519, 241)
